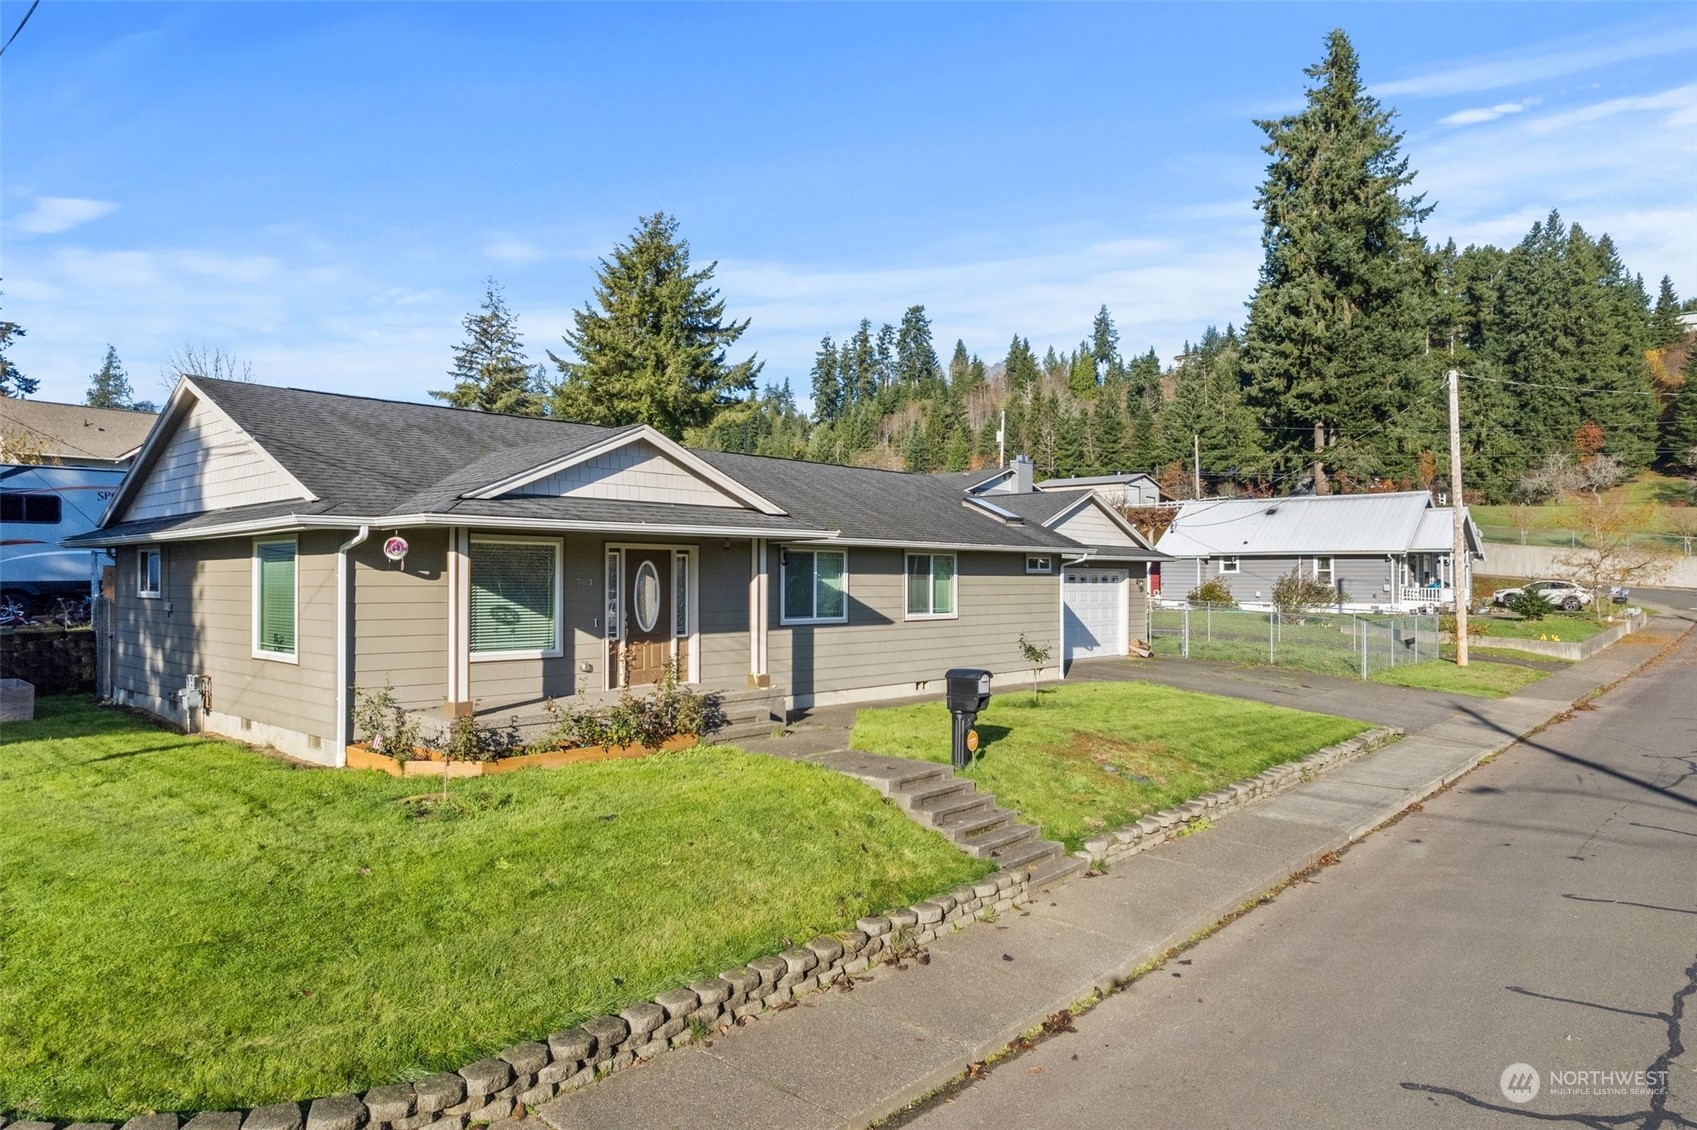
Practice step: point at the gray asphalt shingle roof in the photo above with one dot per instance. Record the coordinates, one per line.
(368, 458)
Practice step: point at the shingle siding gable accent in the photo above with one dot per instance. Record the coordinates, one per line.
(634, 472)
(209, 464)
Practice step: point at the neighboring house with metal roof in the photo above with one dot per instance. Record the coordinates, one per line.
(1382, 552)
(1018, 477)
(290, 545)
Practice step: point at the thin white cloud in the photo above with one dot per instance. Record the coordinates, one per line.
(1483, 114)
(54, 214)
(514, 251)
(1551, 59)
(1681, 100)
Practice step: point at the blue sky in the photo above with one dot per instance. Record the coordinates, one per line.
(322, 188)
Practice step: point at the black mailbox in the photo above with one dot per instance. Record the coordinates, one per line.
(969, 689)
(969, 692)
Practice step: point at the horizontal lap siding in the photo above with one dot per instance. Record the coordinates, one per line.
(879, 647)
(723, 615)
(1363, 577)
(208, 589)
(401, 618)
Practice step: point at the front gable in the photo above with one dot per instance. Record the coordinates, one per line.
(1093, 523)
(199, 459)
(636, 466)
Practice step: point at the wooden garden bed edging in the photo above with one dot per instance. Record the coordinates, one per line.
(429, 763)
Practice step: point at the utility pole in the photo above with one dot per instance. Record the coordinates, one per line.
(1459, 572)
(1196, 443)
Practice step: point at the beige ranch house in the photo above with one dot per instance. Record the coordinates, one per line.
(278, 547)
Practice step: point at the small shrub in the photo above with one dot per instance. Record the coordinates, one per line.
(1037, 657)
(1297, 592)
(1530, 605)
(1477, 626)
(671, 710)
(388, 728)
(1215, 590)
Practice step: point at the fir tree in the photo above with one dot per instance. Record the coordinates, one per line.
(884, 356)
(1682, 421)
(1665, 329)
(651, 346)
(1108, 427)
(1104, 342)
(1335, 324)
(916, 360)
(490, 373)
(12, 382)
(1082, 374)
(110, 387)
(960, 364)
(1143, 377)
(1020, 368)
(827, 382)
(862, 362)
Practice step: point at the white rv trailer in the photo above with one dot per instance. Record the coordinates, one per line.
(40, 505)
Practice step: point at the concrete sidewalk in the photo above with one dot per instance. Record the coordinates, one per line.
(849, 1059)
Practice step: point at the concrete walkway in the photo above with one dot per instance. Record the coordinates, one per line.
(848, 1059)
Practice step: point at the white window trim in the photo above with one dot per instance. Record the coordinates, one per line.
(955, 580)
(1330, 572)
(142, 571)
(259, 652)
(1045, 565)
(1233, 562)
(559, 648)
(783, 582)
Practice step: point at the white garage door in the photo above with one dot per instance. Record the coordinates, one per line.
(1095, 613)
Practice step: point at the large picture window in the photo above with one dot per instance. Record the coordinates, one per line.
(515, 597)
(814, 586)
(274, 598)
(930, 585)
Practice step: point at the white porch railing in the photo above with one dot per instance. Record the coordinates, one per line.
(1425, 594)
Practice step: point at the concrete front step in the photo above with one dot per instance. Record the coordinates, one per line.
(1002, 840)
(954, 806)
(741, 731)
(932, 791)
(1027, 853)
(970, 825)
(1062, 866)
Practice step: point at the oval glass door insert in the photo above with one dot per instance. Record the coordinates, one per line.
(646, 598)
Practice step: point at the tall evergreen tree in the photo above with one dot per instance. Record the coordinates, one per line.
(490, 372)
(110, 387)
(651, 346)
(1104, 342)
(1108, 427)
(960, 363)
(12, 382)
(1681, 436)
(884, 356)
(1082, 373)
(1665, 329)
(862, 360)
(916, 360)
(827, 382)
(1335, 322)
(1020, 368)
(1143, 377)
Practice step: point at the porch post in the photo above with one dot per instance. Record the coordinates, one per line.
(758, 606)
(458, 700)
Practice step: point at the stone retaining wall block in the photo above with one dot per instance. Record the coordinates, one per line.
(337, 1112)
(677, 1002)
(277, 1116)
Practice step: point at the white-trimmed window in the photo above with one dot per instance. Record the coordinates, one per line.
(815, 586)
(1323, 569)
(1040, 564)
(930, 586)
(276, 597)
(1228, 565)
(148, 582)
(515, 598)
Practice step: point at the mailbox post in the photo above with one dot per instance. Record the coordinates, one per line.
(969, 692)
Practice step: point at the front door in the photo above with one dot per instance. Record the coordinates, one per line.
(647, 615)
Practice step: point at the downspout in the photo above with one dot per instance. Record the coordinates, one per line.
(343, 737)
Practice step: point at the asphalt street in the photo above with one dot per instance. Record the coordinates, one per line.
(1542, 912)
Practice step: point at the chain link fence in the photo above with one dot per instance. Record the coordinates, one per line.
(1683, 544)
(1333, 643)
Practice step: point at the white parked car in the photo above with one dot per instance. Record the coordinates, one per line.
(1567, 595)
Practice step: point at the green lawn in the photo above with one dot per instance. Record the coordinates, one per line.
(1483, 680)
(188, 924)
(1545, 523)
(1566, 627)
(1100, 755)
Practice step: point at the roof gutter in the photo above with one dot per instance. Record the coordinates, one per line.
(344, 737)
(285, 523)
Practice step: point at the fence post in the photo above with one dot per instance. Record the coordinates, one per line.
(1210, 611)
(1272, 635)
(1362, 629)
(1185, 649)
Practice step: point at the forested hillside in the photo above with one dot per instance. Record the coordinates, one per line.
(1335, 380)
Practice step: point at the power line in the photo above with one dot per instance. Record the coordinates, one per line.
(1566, 388)
(20, 26)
